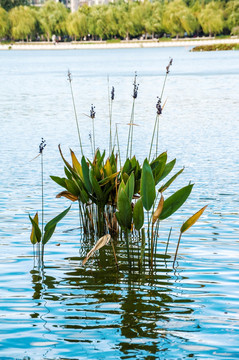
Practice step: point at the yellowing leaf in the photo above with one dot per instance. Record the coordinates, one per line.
(192, 220)
(158, 210)
(108, 168)
(67, 195)
(100, 243)
(76, 165)
(33, 237)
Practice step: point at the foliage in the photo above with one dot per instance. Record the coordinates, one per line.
(4, 23)
(52, 18)
(23, 22)
(211, 18)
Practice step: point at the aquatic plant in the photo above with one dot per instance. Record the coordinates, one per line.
(117, 199)
(41, 237)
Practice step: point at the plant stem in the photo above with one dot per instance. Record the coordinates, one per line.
(130, 129)
(117, 137)
(127, 245)
(93, 126)
(176, 252)
(76, 118)
(152, 140)
(169, 235)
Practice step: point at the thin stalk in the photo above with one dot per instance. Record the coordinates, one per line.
(176, 252)
(130, 129)
(169, 235)
(42, 192)
(74, 107)
(142, 247)
(117, 137)
(157, 137)
(152, 140)
(93, 130)
(113, 248)
(127, 245)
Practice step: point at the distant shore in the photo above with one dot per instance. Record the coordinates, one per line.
(116, 45)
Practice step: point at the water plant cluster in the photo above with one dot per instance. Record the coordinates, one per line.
(119, 198)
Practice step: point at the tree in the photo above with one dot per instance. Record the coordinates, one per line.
(52, 17)
(232, 15)
(178, 19)
(4, 23)
(124, 19)
(76, 24)
(23, 22)
(9, 4)
(211, 18)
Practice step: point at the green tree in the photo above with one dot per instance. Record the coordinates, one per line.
(211, 18)
(52, 18)
(232, 15)
(178, 18)
(124, 19)
(9, 4)
(4, 23)
(23, 22)
(76, 25)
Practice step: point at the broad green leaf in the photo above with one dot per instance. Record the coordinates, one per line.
(35, 229)
(168, 168)
(121, 187)
(108, 179)
(68, 173)
(158, 166)
(175, 201)
(126, 167)
(59, 181)
(124, 177)
(169, 182)
(158, 210)
(72, 187)
(96, 187)
(48, 234)
(147, 186)
(138, 214)
(129, 188)
(86, 176)
(56, 219)
(125, 210)
(192, 220)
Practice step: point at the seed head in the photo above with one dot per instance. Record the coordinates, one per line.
(136, 87)
(112, 93)
(158, 106)
(169, 64)
(69, 78)
(42, 145)
(92, 111)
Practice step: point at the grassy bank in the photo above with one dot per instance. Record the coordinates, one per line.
(216, 47)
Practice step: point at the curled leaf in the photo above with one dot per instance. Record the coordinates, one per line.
(100, 243)
(192, 220)
(67, 195)
(158, 210)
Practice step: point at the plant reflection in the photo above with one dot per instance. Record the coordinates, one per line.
(141, 311)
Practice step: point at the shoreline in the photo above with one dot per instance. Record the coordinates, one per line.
(117, 45)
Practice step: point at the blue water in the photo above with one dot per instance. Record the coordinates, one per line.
(67, 311)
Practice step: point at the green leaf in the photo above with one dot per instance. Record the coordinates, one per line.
(59, 181)
(36, 232)
(138, 214)
(192, 220)
(86, 176)
(68, 173)
(72, 187)
(158, 166)
(175, 201)
(96, 187)
(169, 182)
(125, 210)
(129, 188)
(48, 234)
(168, 168)
(147, 186)
(56, 219)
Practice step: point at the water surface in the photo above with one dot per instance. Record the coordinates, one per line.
(66, 311)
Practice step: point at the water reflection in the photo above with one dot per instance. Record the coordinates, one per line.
(138, 312)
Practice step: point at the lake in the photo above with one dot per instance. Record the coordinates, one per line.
(67, 311)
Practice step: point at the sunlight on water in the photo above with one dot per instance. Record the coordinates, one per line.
(67, 311)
